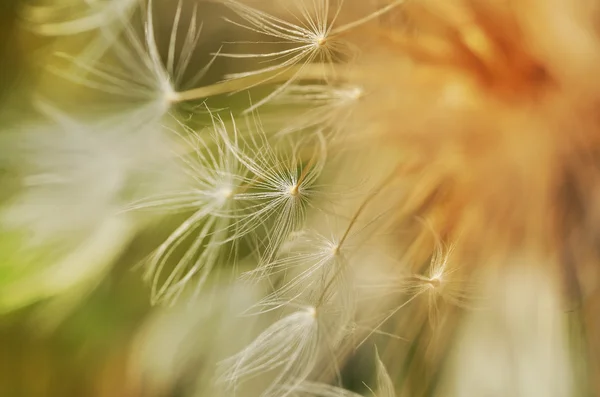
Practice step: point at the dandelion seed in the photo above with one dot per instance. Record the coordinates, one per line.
(214, 174)
(313, 38)
(138, 71)
(333, 274)
(130, 67)
(326, 321)
(309, 40)
(238, 187)
(441, 283)
(280, 187)
(327, 106)
(312, 260)
(290, 348)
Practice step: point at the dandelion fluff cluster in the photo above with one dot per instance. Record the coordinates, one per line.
(365, 168)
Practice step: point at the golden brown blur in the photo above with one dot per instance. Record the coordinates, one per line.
(299, 198)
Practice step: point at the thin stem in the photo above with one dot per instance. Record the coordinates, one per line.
(294, 190)
(368, 18)
(300, 72)
(358, 212)
(396, 310)
(367, 201)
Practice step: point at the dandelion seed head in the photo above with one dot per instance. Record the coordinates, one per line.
(435, 281)
(308, 30)
(169, 93)
(223, 193)
(321, 40)
(289, 349)
(335, 249)
(354, 93)
(281, 186)
(132, 67)
(294, 190)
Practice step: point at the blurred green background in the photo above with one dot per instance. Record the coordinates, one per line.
(71, 348)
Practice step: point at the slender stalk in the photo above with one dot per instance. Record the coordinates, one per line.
(368, 18)
(363, 206)
(393, 175)
(299, 72)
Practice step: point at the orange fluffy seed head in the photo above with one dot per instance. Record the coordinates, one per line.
(496, 103)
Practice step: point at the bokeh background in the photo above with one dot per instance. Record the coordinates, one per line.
(82, 343)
